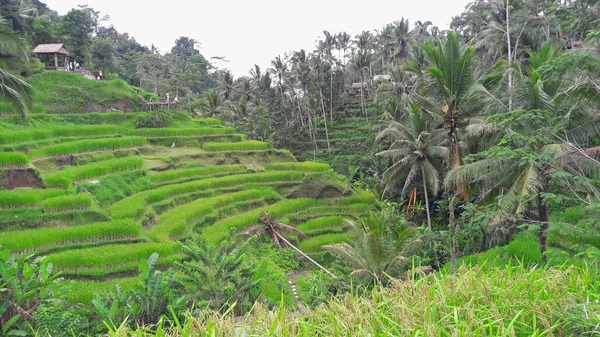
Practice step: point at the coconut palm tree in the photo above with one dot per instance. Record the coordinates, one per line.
(450, 88)
(279, 69)
(361, 63)
(211, 101)
(531, 160)
(381, 251)
(12, 89)
(227, 84)
(415, 150)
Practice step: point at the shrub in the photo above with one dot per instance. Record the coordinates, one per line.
(67, 202)
(307, 166)
(158, 119)
(195, 172)
(13, 159)
(67, 175)
(87, 145)
(36, 238)
(239, 146)
(26, 198)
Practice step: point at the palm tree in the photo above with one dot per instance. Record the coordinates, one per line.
(361, 63)
(211, 101)
(451, 89)
(215, 277)
(227, 83)
(414, 151)
(274, 228)
(364, 41)
(530, 161)
(279, 69)
(12, 89)
(381, 250)
(343, 39)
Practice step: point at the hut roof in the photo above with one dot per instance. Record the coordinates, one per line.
(58, 48)
(358, 85)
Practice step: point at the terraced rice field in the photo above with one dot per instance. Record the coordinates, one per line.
(98, 198)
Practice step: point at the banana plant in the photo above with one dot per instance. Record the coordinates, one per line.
(24, 285)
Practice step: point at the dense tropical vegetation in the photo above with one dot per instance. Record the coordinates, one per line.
(437, 182)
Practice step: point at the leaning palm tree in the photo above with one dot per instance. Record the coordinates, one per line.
(274, 228)
(12, 89)
(381, 252)
(415, 150)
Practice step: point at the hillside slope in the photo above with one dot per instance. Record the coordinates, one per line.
(95, 195)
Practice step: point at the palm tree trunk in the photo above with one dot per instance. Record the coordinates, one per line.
(510, 98)
(426, 198)
(362, 100)
(543, 233)
(330, 95)
(325, 120)
(454, 249)
(307, 257)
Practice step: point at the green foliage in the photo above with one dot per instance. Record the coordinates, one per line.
(518, 300)
(59, 320)
(13, 159)
(26, 198)
(67, 202)
(65, 177)
(143, 303)
(86, 146)
(157, 119)
(239, 146)
(23, 286)
(66, 92)
(216, 278)
(42, 237)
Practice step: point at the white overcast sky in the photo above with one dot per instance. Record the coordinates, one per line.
(248, 32)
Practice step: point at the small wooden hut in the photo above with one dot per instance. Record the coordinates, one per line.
(54, 56)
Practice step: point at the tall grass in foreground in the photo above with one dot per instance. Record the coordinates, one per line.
(512, 301)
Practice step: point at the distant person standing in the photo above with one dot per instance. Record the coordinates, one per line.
(168, 99)
(176, 99)
(100, 75)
